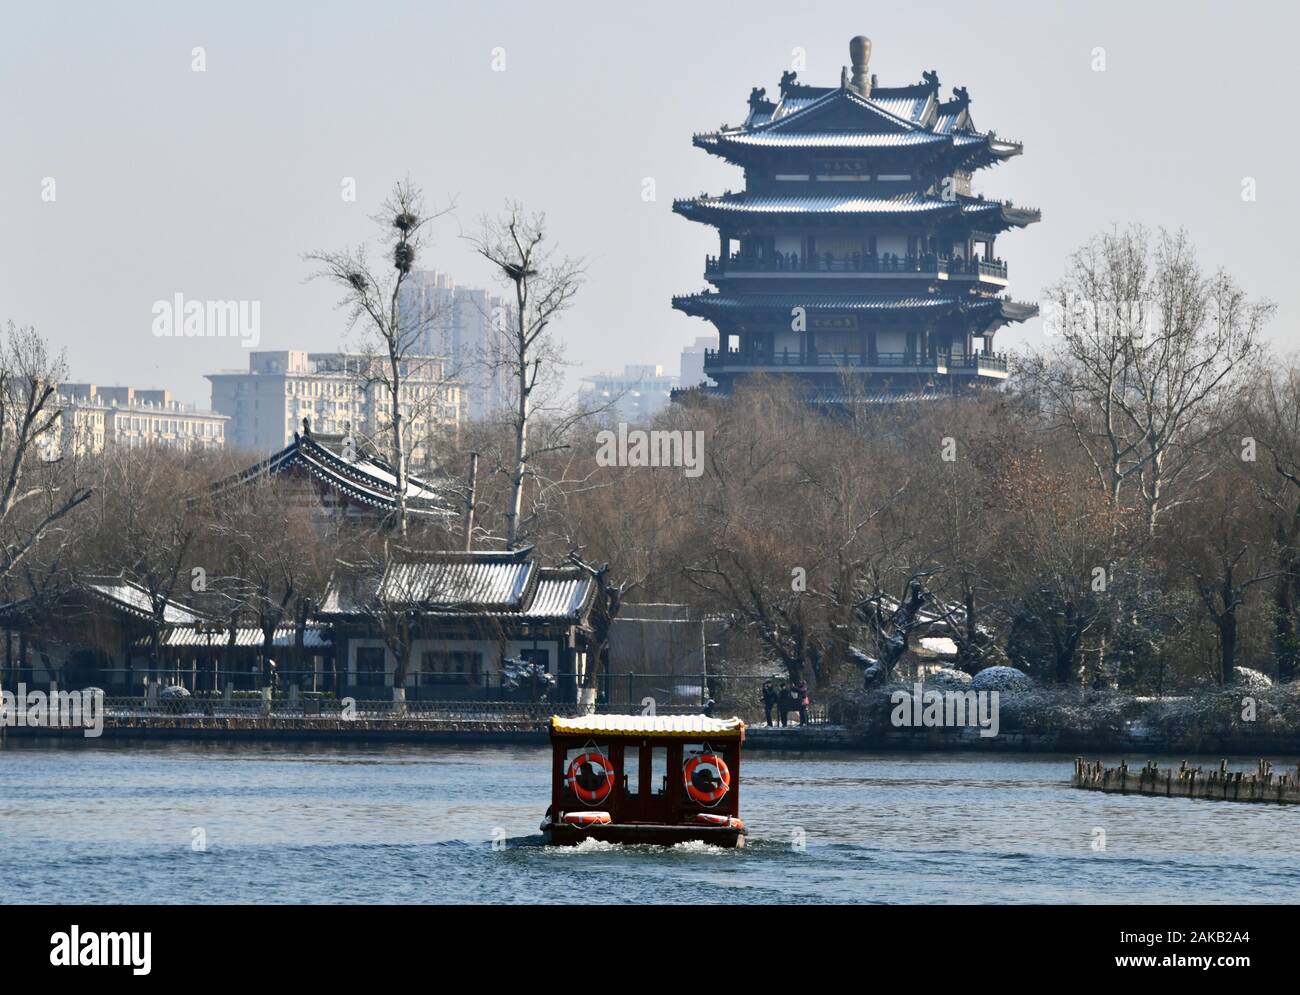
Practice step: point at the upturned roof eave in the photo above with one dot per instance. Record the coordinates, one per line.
(707, 305)
(711, 212)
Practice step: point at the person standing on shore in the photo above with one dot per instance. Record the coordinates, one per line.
(782, 702)
(769, 700)
(802, 691)
(792, 699)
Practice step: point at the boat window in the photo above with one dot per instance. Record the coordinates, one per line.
(659, 771)
(632, 770)
(690, 750)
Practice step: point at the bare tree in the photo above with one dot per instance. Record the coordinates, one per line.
(891, 623)
(544, 287)
(1224, 544)
(1147, 343)
(273, 562)
(145, 531)
(40, 488)
(395, 337)
(44, 483)
(1053, 562)
(1272, 419)
(789, 532)
(605, 608)
(956, 557)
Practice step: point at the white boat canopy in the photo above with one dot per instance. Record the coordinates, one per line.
(650, 725)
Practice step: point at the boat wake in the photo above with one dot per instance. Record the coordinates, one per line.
(590, 846)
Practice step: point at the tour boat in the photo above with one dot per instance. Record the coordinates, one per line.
(645, 779)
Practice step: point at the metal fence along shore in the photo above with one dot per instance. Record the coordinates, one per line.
(429, 697)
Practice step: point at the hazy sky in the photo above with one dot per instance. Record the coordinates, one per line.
(213, 184)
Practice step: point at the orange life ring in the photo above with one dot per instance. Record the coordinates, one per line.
(707, 778)
(589, 766)
(709, 819)
(586, 818)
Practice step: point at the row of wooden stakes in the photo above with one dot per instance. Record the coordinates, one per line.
(1260, 785)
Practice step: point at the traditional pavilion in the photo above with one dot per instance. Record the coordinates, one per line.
(89, 634)
(101, 632)
(857, 256)
(466, 614)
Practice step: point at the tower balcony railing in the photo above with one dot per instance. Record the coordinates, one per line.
(792, 262)
(991, 361)
(717, 359)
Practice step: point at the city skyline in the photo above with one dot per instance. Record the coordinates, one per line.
(258, 195)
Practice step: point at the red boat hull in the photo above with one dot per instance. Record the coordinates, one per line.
(655, 834)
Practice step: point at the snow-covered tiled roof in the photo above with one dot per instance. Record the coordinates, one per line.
(486, 580)
(314, 637)
(648, 725)
(743, 204)
(945, 123)
(132, 598)
(365, 480)
(847, 302)
(791, 105)
(876, 115)
(560, 593)
(482, 584)
(909, 107)
(827, 139)
(992, 212)
(806, 116)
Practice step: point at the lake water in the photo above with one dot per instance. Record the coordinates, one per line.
(115, 823)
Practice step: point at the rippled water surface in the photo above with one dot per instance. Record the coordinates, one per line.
(114, 823)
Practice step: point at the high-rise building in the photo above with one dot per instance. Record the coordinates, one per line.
(635, 395)
(93, 417)
(692, 368)
(857, 250)
(463, 325)
(267, 403)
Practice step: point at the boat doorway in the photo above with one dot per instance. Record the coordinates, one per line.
(655, 785)
(645, 782)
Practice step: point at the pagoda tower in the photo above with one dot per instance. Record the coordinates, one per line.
(856, 249)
